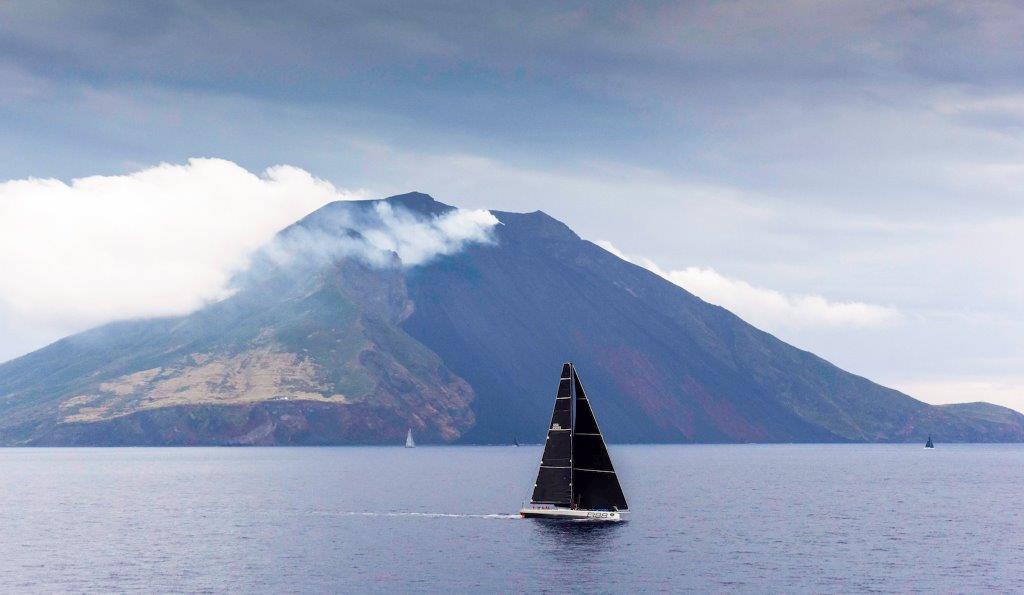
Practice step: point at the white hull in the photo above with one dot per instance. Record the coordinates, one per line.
(570, 514)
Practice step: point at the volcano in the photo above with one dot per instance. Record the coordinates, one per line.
(461, 348)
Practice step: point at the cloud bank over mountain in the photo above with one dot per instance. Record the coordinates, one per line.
(164, 240)
(767, 308)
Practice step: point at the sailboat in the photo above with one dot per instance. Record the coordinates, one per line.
(929, 444)
(576, 479)
(409, 442)
(515, 441)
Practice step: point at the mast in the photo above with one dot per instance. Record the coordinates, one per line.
(572, 435)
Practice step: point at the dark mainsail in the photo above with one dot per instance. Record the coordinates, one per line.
(576, 469)
(554, 479)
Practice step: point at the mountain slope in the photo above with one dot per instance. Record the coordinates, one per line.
(462, 348)
(314, 360)
(665, 365)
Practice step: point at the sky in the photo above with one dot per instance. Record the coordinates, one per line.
(845, 175)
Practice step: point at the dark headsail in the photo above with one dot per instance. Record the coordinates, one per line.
(595, 485)
(576, 468)
(554, 480)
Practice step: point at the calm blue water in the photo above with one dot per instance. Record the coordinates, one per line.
(721, 518)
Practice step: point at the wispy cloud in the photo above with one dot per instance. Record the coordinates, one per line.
(383, 234)
(767, 308)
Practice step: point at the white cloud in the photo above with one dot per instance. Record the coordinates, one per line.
(416, 241)
(158, 241)
(384, 232)
(167, 239)
(767, 308)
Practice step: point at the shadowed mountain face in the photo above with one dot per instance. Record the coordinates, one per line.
(464, 348)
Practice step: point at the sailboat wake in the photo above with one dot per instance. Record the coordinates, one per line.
(438, 515)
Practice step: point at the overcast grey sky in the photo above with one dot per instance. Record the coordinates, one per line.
(845, 175)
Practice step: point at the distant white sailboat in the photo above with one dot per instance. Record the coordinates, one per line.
(409, 442)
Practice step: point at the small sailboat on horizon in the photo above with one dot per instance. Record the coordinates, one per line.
(409, 442)
(929, 444)
(576, 479)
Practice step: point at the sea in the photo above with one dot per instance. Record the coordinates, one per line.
(703, 518)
